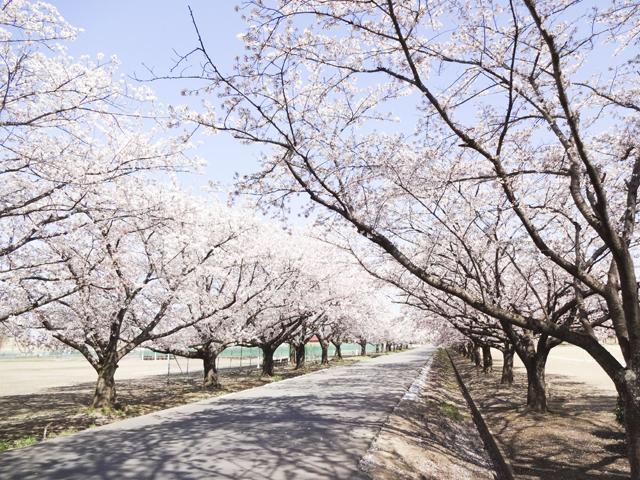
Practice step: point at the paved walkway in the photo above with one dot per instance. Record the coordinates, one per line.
(316, 426)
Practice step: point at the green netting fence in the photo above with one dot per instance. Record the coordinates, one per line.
(231, 357)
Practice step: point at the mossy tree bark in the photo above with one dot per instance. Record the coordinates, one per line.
(105, 393)
(300, 355)
(268, 366)
(363, 347)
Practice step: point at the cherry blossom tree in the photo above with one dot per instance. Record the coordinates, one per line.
(67, 129)
(286, 283)
(208, 338)
(140, 274)
(532, 287)
(510, 105)
(313, 282)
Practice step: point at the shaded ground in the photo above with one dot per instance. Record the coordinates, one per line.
(579, 440)
(62, 410)
(430, 434)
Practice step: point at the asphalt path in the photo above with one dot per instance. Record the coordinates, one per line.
(317, 426)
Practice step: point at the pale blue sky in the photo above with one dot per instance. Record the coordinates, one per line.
(146, 32)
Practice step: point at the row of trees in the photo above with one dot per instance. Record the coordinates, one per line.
(97, 255)
(506, 199)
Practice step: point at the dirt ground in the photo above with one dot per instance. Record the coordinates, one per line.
(57, 404)
(578, 440)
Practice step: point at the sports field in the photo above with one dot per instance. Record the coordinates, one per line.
(20, 376)
(573, 362)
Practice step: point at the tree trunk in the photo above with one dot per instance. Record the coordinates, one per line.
(475, 354)
(324, 345)
(300, 355)
(363, 348)
(105, 394)
(338, 353)
(536, 387)
(211, 379)
(377, 348)
(507, 365)
(630, 396)
(267, 359)
(487, 359)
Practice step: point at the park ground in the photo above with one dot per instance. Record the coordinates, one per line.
(578, 440)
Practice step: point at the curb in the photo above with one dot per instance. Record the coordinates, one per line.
(492, 447)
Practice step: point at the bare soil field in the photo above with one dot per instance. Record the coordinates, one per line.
(39, 375)
(47, 398)
(35, 375)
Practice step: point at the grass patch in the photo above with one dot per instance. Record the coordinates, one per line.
(450, 411)
(451, 385)
(23, 442)
(445, 364)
